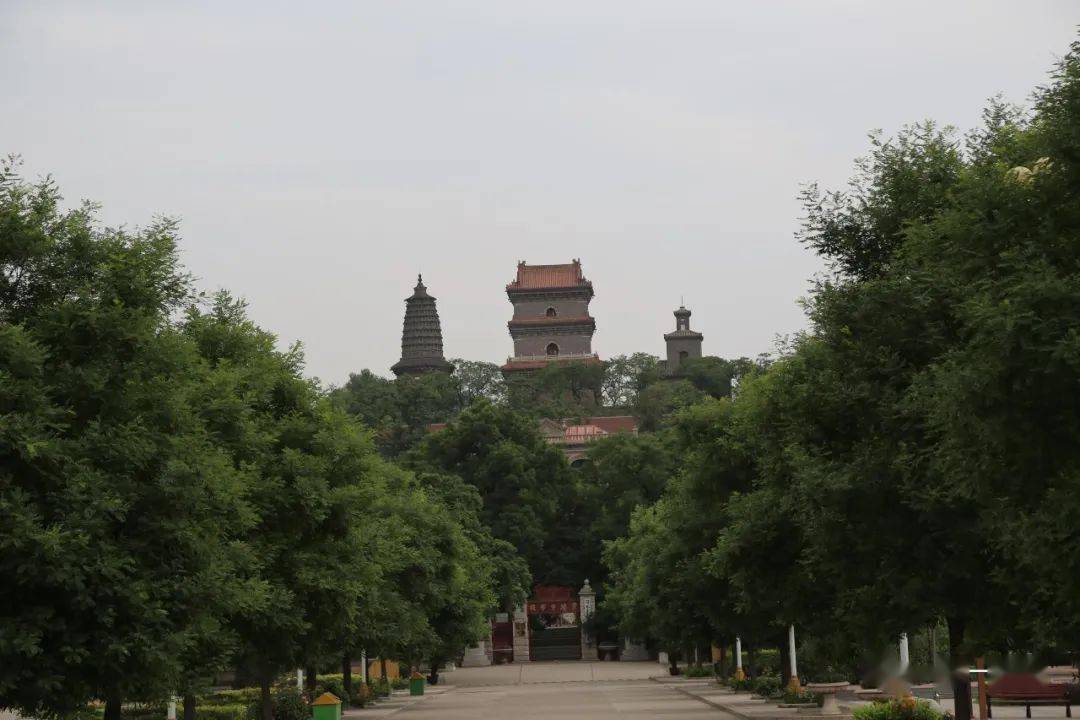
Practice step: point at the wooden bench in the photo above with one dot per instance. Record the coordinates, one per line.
(1026, 690)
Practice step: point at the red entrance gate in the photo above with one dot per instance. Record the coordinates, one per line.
(554, 624)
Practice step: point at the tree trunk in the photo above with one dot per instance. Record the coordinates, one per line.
(722, 670)
(433, 676)
(785, 662)
(114, 705)
(189, 705)
(751, 654)
(311, 681)
(346, 676)
(673, 663)
(266, 703)
(961, 680)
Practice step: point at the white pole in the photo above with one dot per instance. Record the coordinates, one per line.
(170, 714)
(738, 653)
(905, 657)
(363, 669)
(300, 679)
(791, 651)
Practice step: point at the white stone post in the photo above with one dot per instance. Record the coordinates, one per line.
(739, 674)
(170, 712)
(363, 669)
(793, 682)
(587, 597)
(905, 657)
(521, 635)
(300, 679)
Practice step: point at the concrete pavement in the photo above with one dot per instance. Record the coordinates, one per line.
(584, 700)
(551, 672)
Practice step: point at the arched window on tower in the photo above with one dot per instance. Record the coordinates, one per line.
(552, 349)
(551, 312)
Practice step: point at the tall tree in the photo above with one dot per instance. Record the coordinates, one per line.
(525, 484)
(114, 499)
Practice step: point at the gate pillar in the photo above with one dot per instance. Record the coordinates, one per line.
(521, 635)
(587, 597)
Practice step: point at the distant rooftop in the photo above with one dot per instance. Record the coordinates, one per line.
(539, 277)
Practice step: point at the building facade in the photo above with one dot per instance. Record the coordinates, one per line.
(421, 336)
(551, 321)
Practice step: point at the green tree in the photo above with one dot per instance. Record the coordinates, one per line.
(113, 497)
(657, 404)
(626, 376)
(525, 484)
(478, 380)
(310, 467)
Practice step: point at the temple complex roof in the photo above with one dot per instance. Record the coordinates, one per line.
(548, 277)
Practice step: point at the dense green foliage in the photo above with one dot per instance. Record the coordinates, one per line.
(912, 458)
(176, 498)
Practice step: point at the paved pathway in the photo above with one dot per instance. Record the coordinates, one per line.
(563, 690)
(595, 700)
(551, 672)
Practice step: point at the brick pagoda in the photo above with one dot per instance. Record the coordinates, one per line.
(421, 336)
(551, 321)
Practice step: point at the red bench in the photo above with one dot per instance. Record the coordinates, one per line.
(1026, 690)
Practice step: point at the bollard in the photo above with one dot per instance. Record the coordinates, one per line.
(326, 707)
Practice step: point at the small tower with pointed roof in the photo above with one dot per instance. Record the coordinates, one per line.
(421, 336)
(683, 344)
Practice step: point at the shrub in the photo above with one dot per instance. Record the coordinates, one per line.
(141, 711)
(234, 711)
(334, 684)
(801, 696)
(767, 662)
(698, 671)
(244, 696)
(744, 685)
(362, 695)
(904, 709)
(767, 686)
(288, 704)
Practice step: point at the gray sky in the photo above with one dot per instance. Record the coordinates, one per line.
(319, 154)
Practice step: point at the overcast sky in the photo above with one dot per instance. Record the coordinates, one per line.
(320, 154)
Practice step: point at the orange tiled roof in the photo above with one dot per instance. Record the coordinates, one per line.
(548, 276)
(615, 423)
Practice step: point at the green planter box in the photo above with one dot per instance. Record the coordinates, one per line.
(326, 707)
(416, 687)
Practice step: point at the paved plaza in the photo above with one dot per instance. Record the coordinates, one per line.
(584, 700)
(572, 690)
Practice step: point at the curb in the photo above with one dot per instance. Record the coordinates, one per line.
(360, 714)
(711, 703)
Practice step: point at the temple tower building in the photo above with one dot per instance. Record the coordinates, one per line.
(421, 336)
(551, 321)
(683, 344)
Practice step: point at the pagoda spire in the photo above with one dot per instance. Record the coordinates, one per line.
(421, 335)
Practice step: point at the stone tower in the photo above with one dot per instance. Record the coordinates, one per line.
(421, 336)
(683, 344)
(551, 321)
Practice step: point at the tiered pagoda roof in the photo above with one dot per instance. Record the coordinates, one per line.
(532, 278)
(421, 336)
